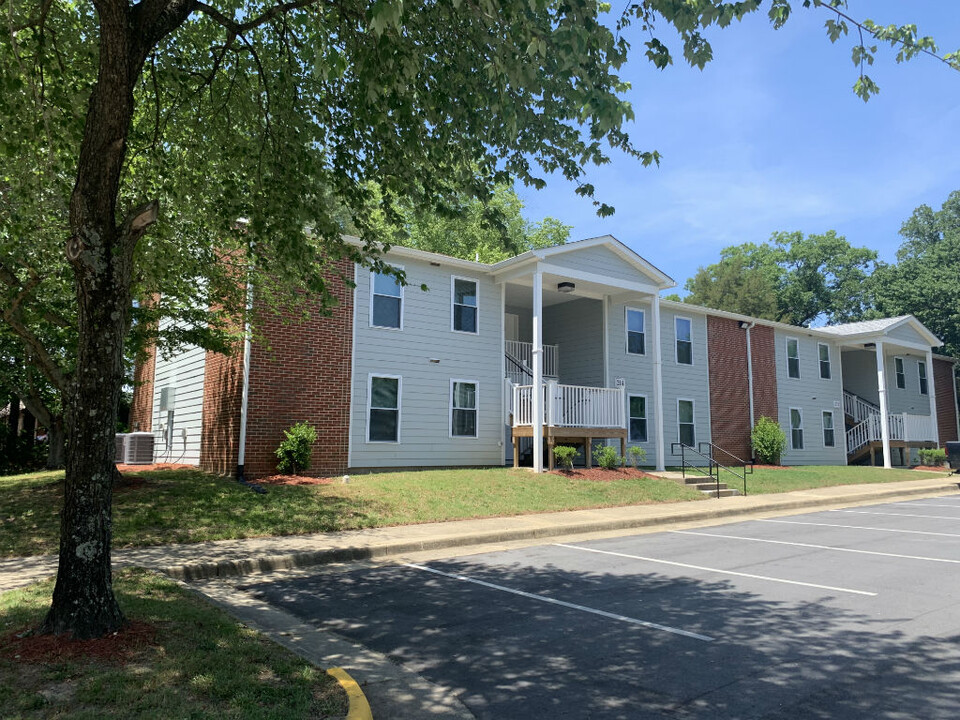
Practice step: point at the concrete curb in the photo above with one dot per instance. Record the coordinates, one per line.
(786, 505)
(359, 707)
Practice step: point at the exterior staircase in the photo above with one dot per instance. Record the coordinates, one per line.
(709, 488)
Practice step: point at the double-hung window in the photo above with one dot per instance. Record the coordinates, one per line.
(386, 301)
(824, 350)
(638, 418)
(686, 430)
(796, 429)
(922, 373)
(465, 305)
(636, 339)
(829, 437)
(901, 376)
(383, 416)
(463, 408)
(684, 329)
(793, 358)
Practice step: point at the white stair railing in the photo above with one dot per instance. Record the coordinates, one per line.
(858, 408)
(858, 436)
(522, 352)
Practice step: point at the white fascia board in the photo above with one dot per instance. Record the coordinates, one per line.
(414, 253)
(919, 327)
(599, 279)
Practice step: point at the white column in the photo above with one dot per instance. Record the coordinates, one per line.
(932, 393)
(884, 420)
(536, 400)
(658, 385)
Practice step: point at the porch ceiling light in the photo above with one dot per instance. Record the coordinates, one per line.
(566, 287)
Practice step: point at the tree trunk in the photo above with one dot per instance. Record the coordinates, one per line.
(29, 428)
(57, 439)
(14, 425)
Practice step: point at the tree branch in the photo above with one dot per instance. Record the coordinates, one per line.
(240, 28)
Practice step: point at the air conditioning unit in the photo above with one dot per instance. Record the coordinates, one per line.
(135, 448)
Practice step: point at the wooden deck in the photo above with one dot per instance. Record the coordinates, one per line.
(874, 450)
(568, 436)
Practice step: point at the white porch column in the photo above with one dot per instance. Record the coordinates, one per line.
(932, 394)
(884, 419)
(536, 401)
(658, 385)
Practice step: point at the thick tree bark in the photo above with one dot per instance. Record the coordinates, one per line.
(57, 439)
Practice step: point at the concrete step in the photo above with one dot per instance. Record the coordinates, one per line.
(724, 491)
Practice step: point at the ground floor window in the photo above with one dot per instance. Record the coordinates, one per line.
(686, 430)
(463, 408)
(796, 429)
(638, 418)
(829, 438)
(383, 416)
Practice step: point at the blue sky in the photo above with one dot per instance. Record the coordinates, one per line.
(771, 137)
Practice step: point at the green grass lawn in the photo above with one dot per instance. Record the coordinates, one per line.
(190, 506)
(196, 663)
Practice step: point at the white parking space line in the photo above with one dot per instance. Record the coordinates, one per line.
(871, 512)
(818, 547)
(862, 527)
(720, 571)
(562, 603)
(915, 504)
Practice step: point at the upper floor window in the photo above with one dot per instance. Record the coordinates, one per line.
(793, 357)
(901, 376)
(922, 371)
(465, 305)
(386, 301)
(824, 351)
(638, 418)
(796, 429)
(463, 408)
(636, 339)
(684, 328)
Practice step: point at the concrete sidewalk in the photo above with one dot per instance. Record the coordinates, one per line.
(230, 558)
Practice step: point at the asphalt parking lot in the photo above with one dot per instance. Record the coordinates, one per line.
(839, 614)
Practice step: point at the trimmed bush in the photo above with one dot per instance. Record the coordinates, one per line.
(564, 455)
(607, 457)
(769, 441)
(637, 456)
(933, 457)
(295, 450)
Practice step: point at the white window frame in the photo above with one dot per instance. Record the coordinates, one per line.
(453, 303)
(646, 420)
(787, 352)
(897, 374)
(399, 408)
(626, 329)
(922, 378)
(476, 410)
(792, 428)
(693, 408)
(676, 340)
(832, 428)
(820, 361)
(373, 277)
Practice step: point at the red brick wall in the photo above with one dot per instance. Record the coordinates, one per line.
(946, 404)
(222, 393)
(730, 386)
(300, 371)
(141, 405)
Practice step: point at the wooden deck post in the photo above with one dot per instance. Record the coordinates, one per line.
(516, 451)
(587, 444)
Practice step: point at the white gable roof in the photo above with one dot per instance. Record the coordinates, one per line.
(882, 327)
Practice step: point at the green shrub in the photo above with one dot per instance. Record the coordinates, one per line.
(295, 450)
(637, 456)
(564, 455)
(607, 457)
(932, 456)
(769, 441)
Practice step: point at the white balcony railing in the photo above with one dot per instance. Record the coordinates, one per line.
(902, 428)
(522, 352)
(572, 406)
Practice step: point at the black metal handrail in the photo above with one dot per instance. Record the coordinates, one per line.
(747, 466)
(684, 449)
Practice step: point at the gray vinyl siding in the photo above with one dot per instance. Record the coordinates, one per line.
(425, 395)
(860, 378)
(812, 395)
(184, 372)
(860, 374)
(907, 334)
(688, 382)
(576, 327)
(600, 261)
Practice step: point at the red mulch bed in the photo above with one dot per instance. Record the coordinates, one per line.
(295, 480)
(157, 466)
(120, 646)
(930, 468)
(602, 475)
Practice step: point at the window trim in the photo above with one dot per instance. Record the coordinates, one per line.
(626, 329)
(373, 276)
(792, 428)
(820, 360)
(454, 303)
(677, 341)
(922, 378)
(833, 427)
(786, 349)
(646, 426)
(693, 408)
(476, 410)
(897, 374)
(399, 408)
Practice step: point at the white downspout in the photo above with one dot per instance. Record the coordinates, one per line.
(658, 385)
(884, 421)
(536, 399)
(932, 394)
(245, 396)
